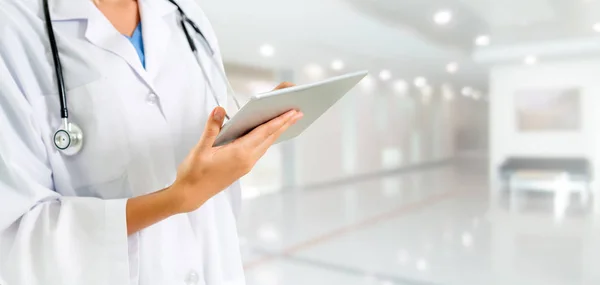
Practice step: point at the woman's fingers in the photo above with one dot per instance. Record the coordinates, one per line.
(268, 142)
(284, 85)
(212, 128)
(262, 133)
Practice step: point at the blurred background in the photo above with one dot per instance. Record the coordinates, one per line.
(467, 156)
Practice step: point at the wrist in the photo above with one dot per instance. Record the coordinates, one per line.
(185, 198)
(146, 210)
(175, 198)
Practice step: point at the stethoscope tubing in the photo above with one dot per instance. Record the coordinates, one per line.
(69, 133)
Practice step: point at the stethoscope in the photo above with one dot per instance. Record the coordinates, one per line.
(68, 139)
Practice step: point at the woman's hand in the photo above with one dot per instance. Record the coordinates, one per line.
(208, 170)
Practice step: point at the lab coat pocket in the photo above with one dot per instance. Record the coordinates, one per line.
(97, 108)
(104, 158)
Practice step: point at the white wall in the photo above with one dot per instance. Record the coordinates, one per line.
(372, 129)
(506, 141)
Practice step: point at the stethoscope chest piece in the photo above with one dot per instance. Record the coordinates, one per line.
(68, 139)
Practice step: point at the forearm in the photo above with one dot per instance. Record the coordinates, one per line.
(146, 210)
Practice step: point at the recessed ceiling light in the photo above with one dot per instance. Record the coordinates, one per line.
(385, 75)
(314, 70)
(420, 82)
(421, 264)
(442, 17)
(452, 67)
(482, 40)
(367, 82)
(530, 60)
(400, 86)
(597, 27)
(267, 50)
(467, 91)
(337, 65)
(467, 239)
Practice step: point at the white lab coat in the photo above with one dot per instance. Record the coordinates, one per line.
(63, 218)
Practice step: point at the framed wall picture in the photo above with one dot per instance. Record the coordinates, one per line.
(542, 110)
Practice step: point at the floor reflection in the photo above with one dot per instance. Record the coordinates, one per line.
(436, 226)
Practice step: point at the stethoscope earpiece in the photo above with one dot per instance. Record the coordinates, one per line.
(68, 139)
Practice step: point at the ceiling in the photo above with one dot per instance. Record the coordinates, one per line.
(400, 35)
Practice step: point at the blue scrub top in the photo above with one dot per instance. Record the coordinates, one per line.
(138, 43)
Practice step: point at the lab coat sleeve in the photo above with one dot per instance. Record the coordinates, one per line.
(235, 196)
(46, 238)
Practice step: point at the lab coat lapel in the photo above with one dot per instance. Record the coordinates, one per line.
(156, 32)
(63, 10)
(102, 33)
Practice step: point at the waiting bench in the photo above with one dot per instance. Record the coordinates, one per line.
(561, 176)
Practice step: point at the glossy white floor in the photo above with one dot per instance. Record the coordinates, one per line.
(432, 226)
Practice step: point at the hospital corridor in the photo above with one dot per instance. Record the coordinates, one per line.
(436, 225)
(300, 142)
(445, 165)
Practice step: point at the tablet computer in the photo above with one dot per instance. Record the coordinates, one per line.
(311, 99)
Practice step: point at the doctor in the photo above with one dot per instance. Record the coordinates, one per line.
(121, 185)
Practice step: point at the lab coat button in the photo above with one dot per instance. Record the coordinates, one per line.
(152, 99)
(192, 278)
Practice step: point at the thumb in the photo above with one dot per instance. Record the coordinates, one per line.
(212, 128)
